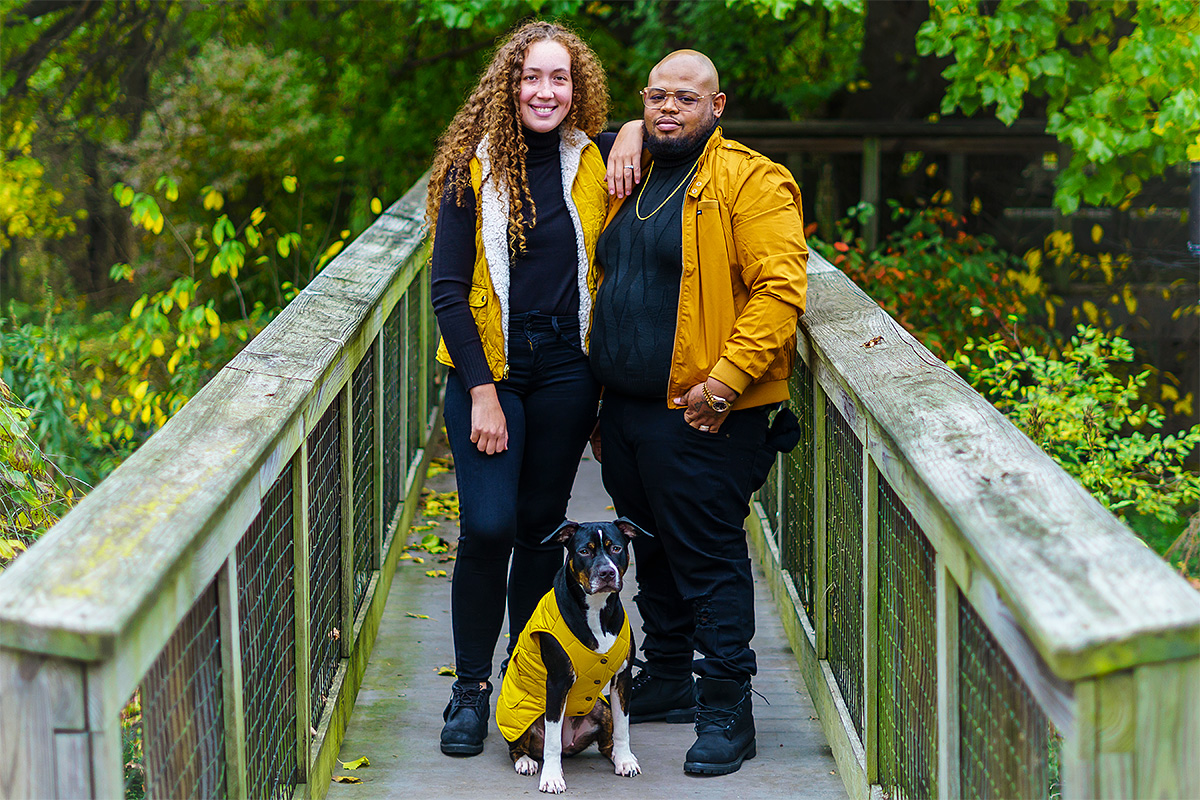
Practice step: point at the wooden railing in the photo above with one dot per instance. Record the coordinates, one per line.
(200, 623)
(969, 620)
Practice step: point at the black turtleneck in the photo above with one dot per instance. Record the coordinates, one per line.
(641, 253)
(544, 277)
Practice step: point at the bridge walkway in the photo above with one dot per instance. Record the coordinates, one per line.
(397, 716)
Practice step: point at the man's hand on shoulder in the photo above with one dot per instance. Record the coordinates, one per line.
(699, 411)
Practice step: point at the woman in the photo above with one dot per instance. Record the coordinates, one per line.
(518, 195)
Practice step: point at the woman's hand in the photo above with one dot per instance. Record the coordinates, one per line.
(489, 428)
(625, 160)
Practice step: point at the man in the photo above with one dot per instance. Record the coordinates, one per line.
(694, 339)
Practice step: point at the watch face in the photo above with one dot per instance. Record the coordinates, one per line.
(720, 406)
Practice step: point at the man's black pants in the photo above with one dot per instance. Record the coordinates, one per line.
(691, 490)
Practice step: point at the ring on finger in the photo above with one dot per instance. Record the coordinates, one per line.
(629, 166)
(704, 428)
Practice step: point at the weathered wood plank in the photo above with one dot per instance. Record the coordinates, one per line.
(1167, 763)
(72, 753)
(303, 605)
(153, 534)
(1115, 735)
(870, 616)
(26, 726)
(1090, 596)
(231, 681)
(949, 736)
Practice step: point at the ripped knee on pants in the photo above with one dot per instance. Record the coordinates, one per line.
(706, 612)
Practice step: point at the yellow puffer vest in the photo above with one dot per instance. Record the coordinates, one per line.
(523, 695)
(587, 203)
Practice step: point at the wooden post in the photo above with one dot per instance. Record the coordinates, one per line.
(870, 189)
(406, 341)
(231, 676)
(827, 200)
(346, 410)
(948, 736)
(870, 617)
(303, 605)
(820, 522)
(45, 747)
(377, 465)
(426, 335)
(780, 520)
(958, 183)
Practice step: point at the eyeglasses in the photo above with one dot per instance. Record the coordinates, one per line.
(654, 97)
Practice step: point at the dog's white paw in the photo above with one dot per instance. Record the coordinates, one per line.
(626, 764)
(552, 781)
(525, 766)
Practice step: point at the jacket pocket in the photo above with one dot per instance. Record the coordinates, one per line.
(478, 296)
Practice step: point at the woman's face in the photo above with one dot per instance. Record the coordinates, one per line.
(546, 87)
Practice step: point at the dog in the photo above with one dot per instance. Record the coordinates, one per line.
(577, 641)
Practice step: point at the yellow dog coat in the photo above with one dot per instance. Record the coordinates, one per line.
(523, 694)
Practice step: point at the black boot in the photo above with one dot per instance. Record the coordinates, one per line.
(656, 698)
(466, 718)
(724, 727)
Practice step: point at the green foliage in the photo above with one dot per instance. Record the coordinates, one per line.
(29, 208)
(1089, 419)
(237, 118)
(941, 283)
(1118, 81)
(30, 499)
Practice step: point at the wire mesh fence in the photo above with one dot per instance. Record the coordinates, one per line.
(266, 603)
(325, 554)
(907, 659)
(843, 470)
(393, 468)
(1009, 749)
(412, 352)
(796, 505)
(174, 732)
(363, 473)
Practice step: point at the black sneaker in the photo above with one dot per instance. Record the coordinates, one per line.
(724, 728)
(653, 698)
(466, 717)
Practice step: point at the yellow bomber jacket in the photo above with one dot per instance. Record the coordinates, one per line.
(587, 201)
(523, 694)
(744, 276)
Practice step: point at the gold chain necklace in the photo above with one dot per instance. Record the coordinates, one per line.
(637, 206)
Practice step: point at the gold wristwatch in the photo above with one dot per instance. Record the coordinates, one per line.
(717, 404)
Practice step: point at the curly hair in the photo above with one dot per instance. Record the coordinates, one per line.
(492, 109)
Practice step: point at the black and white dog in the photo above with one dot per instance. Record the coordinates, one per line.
(577, 642)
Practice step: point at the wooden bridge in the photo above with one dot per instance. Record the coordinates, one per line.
(965, 619)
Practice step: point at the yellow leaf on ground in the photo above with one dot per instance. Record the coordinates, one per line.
(346, 779)
(416, 616)
(356, 763)
(447, 671)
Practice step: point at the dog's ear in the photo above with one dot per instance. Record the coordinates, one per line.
(631, 528)
(563, 533)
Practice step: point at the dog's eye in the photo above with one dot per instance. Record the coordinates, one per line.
(614, 548)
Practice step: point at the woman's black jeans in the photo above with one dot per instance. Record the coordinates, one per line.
(511, 501)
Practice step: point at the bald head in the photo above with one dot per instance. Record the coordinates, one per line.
(690, 65)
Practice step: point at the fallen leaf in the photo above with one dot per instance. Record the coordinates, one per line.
(356, 763)
(436, 573)
(417, 616)
(406, 557)
(447, 671)
(873, 342)
(346, 779)
(418, 560)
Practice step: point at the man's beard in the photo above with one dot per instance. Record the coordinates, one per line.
(663, 147)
